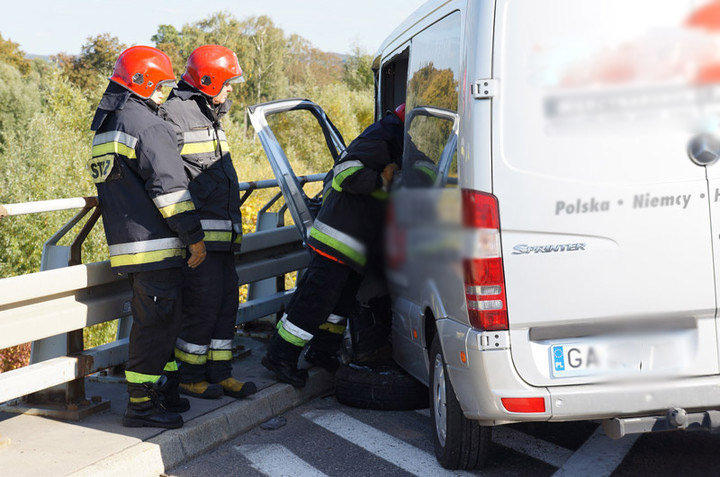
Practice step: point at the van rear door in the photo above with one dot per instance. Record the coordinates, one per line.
(605, 221)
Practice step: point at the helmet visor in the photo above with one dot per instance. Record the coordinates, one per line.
(168, 84)
(237, 79)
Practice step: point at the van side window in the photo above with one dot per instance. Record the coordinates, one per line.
(432, 103)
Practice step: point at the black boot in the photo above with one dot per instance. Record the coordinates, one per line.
(145, 408)
(318, 357)
(171, 399)
(281, 358)
(322, 350)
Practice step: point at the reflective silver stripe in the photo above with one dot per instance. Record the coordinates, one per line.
(340, 236)
(115, 136)
(172, 198)
(335, 319)
(208, 224)
(237, 228)
(345, 166)
(191, 348)
(203, 135)
(294, 330)
(145, 246)
(197, 136)
(220, 344)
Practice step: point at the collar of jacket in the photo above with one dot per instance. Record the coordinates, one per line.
(185, 91)
(113, 99)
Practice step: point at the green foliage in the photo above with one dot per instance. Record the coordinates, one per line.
(357, 70)
(19, 101)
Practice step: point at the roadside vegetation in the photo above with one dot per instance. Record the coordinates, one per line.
(46, 108)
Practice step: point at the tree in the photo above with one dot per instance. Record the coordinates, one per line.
(95, 63)
(11, 54)
(357, 70)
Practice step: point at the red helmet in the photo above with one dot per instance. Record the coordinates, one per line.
(210, 67)
(400, 112)
(141, 69)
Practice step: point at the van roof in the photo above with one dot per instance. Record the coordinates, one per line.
(416, 17)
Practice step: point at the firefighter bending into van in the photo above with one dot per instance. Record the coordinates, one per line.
(149, 220)
(348, 226)
(210, 294)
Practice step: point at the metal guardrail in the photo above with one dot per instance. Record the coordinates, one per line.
(51, 307)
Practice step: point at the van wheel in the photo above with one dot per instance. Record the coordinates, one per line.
(382, 386)
(460, 443)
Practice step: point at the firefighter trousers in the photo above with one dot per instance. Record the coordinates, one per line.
(324, 300)
(157, 310)
(210, 302)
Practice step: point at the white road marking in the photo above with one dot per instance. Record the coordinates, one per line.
(275, 460)
(425, 412)
(531, 446)
(385, 446)
(598, 456)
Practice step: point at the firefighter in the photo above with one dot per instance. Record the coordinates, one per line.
(347, 228)
(149, 220)
(210, 295)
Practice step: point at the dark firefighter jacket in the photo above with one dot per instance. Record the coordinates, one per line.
(147, 210)
(206, 156)
(351, 218)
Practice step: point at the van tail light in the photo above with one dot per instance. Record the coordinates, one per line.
(527, 405)
(482, 263)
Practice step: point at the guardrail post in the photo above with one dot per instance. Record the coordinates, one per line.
(267, 221)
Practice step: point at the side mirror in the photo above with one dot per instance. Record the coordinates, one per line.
(704, 149)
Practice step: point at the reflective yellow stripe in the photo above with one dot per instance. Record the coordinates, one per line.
(379, 194)
(215, 236)
(190, 358)
(219, 355)
(174, 209)
(116, 147)
(333, 328)
(171, 366)
(140, 399)
(145, 257)
(238, 239)
(138, 378)
(203, 147)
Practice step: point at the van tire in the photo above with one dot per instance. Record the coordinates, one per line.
(381, 386)
(466, 444)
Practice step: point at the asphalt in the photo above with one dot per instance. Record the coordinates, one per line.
(99, 445)
(325, 438)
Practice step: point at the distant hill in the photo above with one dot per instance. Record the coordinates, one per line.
(32, 57)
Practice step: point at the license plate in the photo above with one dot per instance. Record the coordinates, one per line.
(571, 360)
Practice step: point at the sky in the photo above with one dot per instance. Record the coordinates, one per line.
(46, 27)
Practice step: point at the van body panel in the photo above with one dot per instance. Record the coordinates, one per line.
(604, 219)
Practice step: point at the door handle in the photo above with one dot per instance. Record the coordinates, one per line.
(704, 149)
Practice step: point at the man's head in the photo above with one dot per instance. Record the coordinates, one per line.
(143, 70)
(212, 69)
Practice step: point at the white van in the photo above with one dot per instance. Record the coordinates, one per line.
(554, 237)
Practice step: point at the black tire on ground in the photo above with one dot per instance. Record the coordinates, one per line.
(466, 443)
(382, 386)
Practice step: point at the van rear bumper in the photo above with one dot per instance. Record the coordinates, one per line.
(489, 375)
(640, 398)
